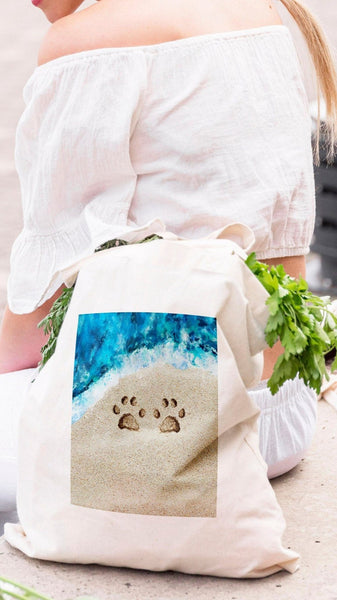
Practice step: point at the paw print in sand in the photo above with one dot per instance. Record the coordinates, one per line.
(130, 413)
(127, 419)
(170, 423)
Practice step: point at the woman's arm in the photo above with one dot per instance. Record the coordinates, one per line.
(20, 338)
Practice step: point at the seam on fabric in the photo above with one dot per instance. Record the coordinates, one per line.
(187, 44)
(284, 252)
(278, 404)
(258, 457)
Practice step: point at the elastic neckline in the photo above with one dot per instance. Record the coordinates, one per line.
(167, 46)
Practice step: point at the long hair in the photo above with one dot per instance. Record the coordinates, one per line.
(325, 74)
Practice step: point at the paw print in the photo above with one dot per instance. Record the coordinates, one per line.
(127, 419)
(170, 423)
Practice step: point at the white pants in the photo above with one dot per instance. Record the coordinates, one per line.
(287, 424)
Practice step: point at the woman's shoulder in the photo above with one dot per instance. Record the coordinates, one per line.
(128, 23)
(104, 26)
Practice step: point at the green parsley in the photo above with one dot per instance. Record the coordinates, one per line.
(52, 324)
(303, 322)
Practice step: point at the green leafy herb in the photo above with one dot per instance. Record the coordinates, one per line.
(117, 242)
(52, 323)
(9, 589)
(303, 323)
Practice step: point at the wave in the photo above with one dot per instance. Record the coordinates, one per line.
(123, 343)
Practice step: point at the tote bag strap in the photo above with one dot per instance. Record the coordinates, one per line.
(237, 233)
(241, 234)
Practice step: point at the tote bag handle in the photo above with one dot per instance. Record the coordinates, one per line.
(238, 233)
(241, 234)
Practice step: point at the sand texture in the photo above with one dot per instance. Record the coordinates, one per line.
(149, 446)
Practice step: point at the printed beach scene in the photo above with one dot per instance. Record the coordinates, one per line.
(145, 414)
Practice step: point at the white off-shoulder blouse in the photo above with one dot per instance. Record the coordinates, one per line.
(198, 132)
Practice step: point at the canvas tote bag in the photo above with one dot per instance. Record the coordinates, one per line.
(138, 441)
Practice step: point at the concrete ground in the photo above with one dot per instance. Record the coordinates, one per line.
(308, 494)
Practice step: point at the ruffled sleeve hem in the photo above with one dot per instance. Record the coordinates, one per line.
(37, 262)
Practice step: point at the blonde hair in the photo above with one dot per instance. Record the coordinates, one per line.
(325, 74)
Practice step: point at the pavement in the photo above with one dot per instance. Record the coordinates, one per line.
(308, 494)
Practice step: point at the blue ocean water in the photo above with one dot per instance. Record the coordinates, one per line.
(112, 345)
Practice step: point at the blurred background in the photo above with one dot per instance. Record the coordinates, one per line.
(22, 27)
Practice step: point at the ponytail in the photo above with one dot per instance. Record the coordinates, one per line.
(325, 73)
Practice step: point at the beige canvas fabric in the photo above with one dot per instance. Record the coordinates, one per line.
(151, 460)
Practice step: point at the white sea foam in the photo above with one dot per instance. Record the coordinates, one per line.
(165, 354)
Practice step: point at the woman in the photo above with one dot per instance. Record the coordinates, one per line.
(191, 111)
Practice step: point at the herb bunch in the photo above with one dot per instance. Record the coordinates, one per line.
(303, 322)
(52, 324)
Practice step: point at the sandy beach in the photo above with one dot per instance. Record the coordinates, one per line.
(149, 446)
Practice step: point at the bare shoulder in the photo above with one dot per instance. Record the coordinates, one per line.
(118, 23)
(122, 23)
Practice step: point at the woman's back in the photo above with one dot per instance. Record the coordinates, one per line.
(223, 135)
(198, 132)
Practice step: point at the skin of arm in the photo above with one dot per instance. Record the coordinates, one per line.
(20, 338)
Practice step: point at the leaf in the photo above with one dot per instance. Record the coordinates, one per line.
(283, 371)
(282, 292)
(271, 338)
(52, 324)
(300, 341)
(275, 321)
(273, 304)
(322, 335)
(251, 261)
(331, 321)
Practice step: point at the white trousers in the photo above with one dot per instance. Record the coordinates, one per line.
(287, 424)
